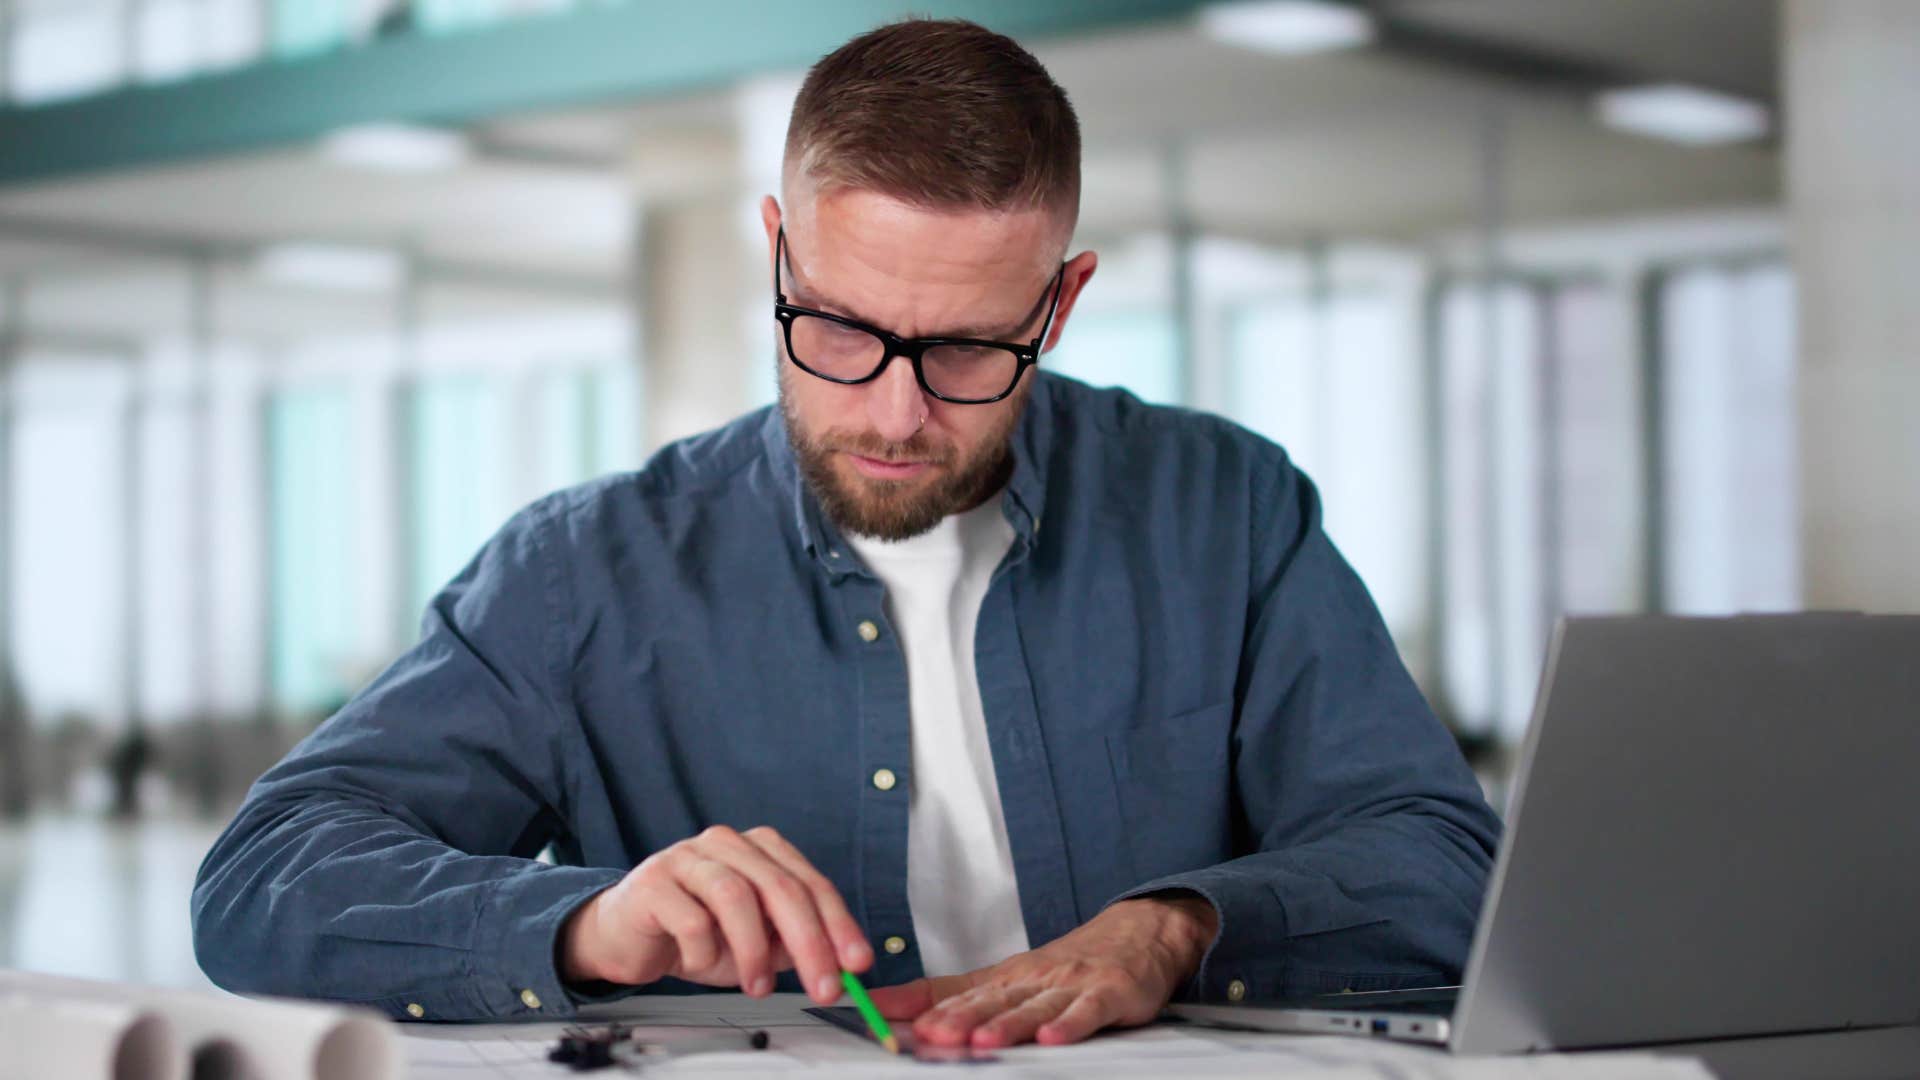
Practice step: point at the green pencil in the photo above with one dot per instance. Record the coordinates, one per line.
(875, 1022)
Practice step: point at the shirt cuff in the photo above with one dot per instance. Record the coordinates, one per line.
(1247, 958)
(515, 971)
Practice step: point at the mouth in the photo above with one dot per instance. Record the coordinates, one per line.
(887, 470)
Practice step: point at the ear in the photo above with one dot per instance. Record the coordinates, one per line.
(770, 217)
(1079, 271)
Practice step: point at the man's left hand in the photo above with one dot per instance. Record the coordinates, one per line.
(1117, 970)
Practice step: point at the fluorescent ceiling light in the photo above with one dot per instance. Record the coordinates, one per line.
(333, 266)
(1682, 114)
(396, 148)
(1288, 27)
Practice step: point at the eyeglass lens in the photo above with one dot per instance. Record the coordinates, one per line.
(839, 351)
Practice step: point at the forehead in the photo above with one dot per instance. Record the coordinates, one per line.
(850, 230)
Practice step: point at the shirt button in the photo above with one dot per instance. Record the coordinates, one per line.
(1236, 990)
(895, 945)
(530, 999)
(414, 1010)
(884, 779)
(868, 631)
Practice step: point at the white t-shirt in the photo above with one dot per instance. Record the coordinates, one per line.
(960, 885)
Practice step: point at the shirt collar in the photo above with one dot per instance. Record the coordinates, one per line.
(1021, 502)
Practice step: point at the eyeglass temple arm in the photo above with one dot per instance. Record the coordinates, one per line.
(779, 253)
(1059, 285)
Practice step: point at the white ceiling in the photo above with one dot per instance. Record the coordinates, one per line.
(542, 218)
(1366, 144)
(1729, 45)
(1362, 143)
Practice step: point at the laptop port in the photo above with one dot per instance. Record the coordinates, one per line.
(1379, 1027)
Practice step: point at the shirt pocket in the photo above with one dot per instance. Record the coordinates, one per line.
(1173, 790)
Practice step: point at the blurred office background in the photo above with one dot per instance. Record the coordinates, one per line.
(1567, 306)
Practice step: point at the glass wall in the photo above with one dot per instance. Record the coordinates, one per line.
(481, 444)
(69, 454)
(1125, 331)
(230, 496)
(60, 49)
(1485, 457)
(1728, 501)
(310, 484)
(1489, 458)
(1326, 360)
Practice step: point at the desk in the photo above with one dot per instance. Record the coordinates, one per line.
(803, 1046)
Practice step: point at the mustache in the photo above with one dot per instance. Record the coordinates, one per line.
(916, 448)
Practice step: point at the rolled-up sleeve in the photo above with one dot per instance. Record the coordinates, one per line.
(389, 858)
(1370, 839)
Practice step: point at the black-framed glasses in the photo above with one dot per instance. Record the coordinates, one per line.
(964, 371)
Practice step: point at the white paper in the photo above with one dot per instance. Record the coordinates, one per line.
(223, 1035)
(803, 1046)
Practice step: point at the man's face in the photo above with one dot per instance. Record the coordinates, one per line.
(885, 458)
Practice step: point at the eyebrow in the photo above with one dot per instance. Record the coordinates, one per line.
(983, 333)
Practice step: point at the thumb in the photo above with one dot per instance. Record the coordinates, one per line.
(908, 1000)
(903, 1002)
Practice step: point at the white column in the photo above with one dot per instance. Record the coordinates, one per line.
(706, 319)
(238, 540)
(14, 775)
(693, 286)
(1853, 180)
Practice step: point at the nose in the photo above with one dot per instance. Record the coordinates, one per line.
(895, 402)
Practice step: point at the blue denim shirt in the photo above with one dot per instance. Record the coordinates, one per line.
(1185, 686)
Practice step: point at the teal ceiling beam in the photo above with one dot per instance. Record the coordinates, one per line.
(594, 54)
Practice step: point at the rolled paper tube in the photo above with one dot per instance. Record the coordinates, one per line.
(264, 1038)
(86, 1040)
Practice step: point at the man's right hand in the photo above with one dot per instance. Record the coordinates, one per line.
(723, 908)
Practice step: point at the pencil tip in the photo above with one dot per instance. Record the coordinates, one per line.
(892, 1043)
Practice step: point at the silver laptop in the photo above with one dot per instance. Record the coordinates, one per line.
(1714, 832)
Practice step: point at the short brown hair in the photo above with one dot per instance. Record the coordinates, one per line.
(938, 113)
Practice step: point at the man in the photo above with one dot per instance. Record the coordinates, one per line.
(1037, 704)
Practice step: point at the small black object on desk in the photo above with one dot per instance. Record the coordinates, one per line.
(586, 1049)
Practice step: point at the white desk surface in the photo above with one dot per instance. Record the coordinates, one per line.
(802, 1045)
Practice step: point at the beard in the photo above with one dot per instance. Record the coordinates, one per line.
(895, 510)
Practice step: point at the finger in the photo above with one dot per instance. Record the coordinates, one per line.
(1090, 1012)
(780, 959)
(849, 941)
(908, 1000)
(788, 904)
(687, 922)
(953, 1021)
(1017, 1025)
(734, 903)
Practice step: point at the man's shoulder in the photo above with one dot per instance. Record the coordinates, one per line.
(681, 478)
(1109, 429)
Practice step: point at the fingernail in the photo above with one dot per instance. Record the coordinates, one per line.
(762, 986)
(859, 954)
(826, 988)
